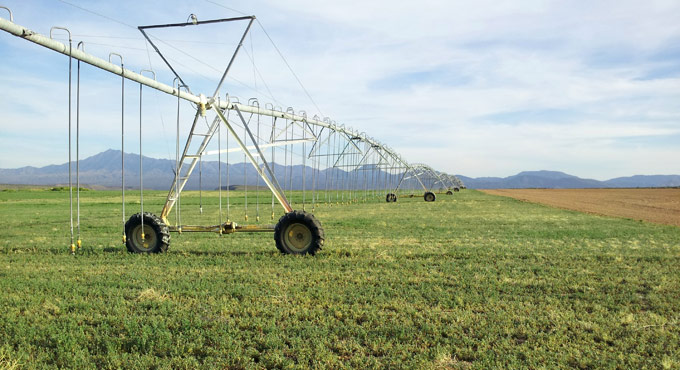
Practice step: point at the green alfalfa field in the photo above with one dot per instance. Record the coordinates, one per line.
(469, 281)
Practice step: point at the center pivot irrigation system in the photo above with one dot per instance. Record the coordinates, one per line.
(314, 160)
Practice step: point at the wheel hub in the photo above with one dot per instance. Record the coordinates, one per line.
(298, 237)
(149, 237)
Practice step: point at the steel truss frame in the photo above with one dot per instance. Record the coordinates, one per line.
(371, 154)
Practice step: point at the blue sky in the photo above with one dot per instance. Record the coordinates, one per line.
(482, 89)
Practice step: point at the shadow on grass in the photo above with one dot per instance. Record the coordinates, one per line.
(222, 253)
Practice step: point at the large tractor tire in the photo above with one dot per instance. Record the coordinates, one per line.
(156, 234)
(298, 232)
(391, 198)
(429, 196)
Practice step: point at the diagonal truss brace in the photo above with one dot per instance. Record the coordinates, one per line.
(270, 180)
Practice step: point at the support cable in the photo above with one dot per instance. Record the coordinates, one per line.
(78, 240)
(285, 158)
(245, 171)
(228, 183)
(122, 143)
(257, 187)
(273, 158)
(315, 168)
(141, 168)
(337, 150)
(356, 189)
(292, 165)
(200, 184)
(352, 173)
(304, 164)
(328, 151)
(365, 176)
(219, 170)
(70, 183)
(386, 182)
(289, 67)
(122, 139)
(178, 224)
(345, 176)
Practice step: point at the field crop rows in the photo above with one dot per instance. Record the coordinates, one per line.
(653, 205)
(469, 281)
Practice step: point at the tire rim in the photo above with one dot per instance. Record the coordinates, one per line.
(149, 237)
(297, 237)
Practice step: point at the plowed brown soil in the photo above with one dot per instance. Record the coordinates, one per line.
(653, 205)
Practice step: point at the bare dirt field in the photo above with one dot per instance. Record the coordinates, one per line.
(653, 205)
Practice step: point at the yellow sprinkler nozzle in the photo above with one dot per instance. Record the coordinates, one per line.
(79, 243)
(124, 238)
(257, 218)
(73, 248)
(272, 215)
(246, 217)
(143, 237)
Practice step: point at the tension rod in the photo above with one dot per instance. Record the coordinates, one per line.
(78, 240)
(70, 182)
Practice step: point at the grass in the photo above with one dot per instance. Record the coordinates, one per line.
(469, 281)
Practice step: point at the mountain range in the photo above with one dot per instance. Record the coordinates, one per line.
(103, 170)
(561, 180)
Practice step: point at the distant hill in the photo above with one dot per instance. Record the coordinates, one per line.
(103, 170)
(640, 181)
(561, 180)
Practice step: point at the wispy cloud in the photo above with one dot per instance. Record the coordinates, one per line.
(483, 88)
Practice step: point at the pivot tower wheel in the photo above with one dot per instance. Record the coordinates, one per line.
(298, 232)
(456, 189)
(429, 196)
(156, 234)
(391, 197)
(449, 192)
